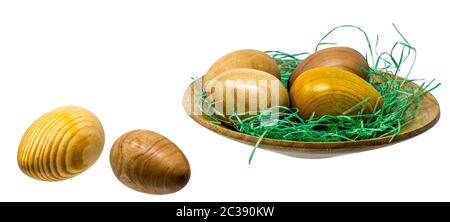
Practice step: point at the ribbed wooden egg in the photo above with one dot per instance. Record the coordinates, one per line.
(331, 91)
(61, 144)
(149, 162)
(246, 91)
(342, 57)
(245, 58)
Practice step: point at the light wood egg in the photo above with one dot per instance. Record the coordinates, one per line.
(148, 162)
(331, 91)
(61, 144)
(245, 58)
(342, 57)
(245, 91)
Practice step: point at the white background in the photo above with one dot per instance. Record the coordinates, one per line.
(130, 61)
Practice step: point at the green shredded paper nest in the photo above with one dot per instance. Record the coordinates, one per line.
(401, 101)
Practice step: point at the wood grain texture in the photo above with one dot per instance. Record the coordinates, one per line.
(423, 120)
(343, 57)
(251, 91)
(331, 91)
(245, 58)
(148, 162)
(61, 144)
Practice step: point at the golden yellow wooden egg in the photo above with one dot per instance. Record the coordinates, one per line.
(331, 91)
(245, 58)
(245, 91)
(61, 144)
(342, 57)
(149, 162)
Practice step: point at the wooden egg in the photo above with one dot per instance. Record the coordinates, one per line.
(246, 58)
(342, 57)
(148, 162)
(61, 144)
(331, 91)
(245, 91)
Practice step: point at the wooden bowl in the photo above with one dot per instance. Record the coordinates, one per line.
(423, 120)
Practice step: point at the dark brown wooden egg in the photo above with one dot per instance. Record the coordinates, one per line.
(149, 162)
(342, 57)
